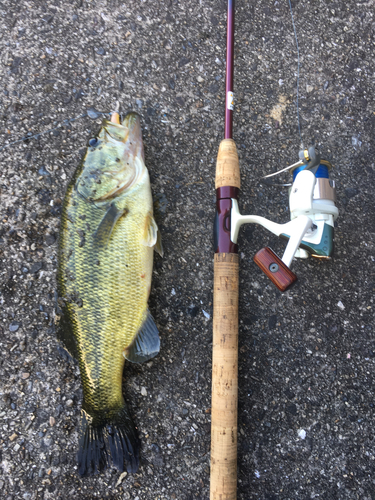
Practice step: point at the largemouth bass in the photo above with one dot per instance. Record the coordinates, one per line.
(106, 244)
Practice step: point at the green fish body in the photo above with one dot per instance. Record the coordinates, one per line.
(106, 244)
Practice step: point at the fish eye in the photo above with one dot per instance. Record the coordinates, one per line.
(93, 142)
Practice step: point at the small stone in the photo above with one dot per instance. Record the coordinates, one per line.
(69, 402)
(289, 394)
(192, 310)
(302, 433)
(43, 171)
(121, 478)
(50, 239)
(340, 305)
(79, 94)
(272, 321)
(100, 51)
(52, 421)
(180, 101)
(309, 88)
(14, 326)
(36, 267)
(292, 409)
(351, 192)
(183, 61)
(93, 113)
(356, 142)
(144, 391)
(25, 375)
(206, 314)
(214, 88)
(13, 437)
(47, 18)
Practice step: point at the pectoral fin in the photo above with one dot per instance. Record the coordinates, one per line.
(152, 236)
(146, 344)
(107, 224)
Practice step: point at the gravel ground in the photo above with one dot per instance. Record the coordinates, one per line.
(306, 388)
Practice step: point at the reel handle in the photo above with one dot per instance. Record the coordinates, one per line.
(275, 269)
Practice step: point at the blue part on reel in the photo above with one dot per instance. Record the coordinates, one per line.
(321, 172)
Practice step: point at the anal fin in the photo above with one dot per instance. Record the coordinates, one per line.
(146, 344)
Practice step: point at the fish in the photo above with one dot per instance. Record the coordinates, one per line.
(106, 244)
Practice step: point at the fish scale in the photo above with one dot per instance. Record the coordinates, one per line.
(106, 249)
(109, 298)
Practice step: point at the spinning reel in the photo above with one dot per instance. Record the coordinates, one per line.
(312, 203)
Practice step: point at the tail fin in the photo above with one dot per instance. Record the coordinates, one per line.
(108, 440)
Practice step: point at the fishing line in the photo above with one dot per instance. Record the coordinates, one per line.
(264, 179)
(91, 113)
(298, 67)
(36, 136)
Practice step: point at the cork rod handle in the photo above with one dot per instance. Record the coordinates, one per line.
(227, 165)
(224, 379)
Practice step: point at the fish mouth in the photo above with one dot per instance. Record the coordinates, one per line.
(128, 131)
(132, 122)
(131, 117)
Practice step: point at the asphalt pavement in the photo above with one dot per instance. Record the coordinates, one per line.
(306, 356)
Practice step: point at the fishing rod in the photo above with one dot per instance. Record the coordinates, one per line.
(312, 198)
(223, 481)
